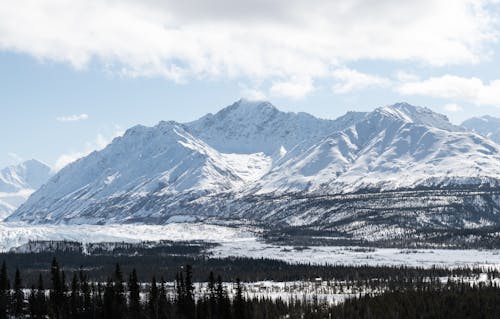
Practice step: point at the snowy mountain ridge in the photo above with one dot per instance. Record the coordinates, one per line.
(18, 182)
(487, 126)
(251, 161)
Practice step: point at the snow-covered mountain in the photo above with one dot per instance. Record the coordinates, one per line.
(18, 182)
(161, 161)
(247, 127)
(399, 146)
(252, 161)
(487, 126)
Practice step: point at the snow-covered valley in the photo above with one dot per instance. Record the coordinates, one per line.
(245, 242)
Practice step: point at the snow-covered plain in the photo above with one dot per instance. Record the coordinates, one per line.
(244, 242)
(14, 235)
(361, 256)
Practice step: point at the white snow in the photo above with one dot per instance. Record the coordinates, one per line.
(14, 234)
(252, 148)
(359, 255)
(18, 182)
(243, 242)
(487, 126)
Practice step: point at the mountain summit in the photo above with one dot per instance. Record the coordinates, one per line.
(17, 182)
(252, 161)
(247, 127)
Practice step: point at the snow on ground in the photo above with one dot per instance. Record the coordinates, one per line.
(243, 242)
(14, 235)
(360, 256)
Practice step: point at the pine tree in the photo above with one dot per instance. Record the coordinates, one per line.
(64, 305)
(239, 302)
(75, 297)
(4, 292)
(120, 305)
(18, 296)
(189, 293)
(134, 296)
(108, 300)
(223, 304)
(32, 302)
(163, 304)
(153, 300)
(57, 291)
(212, 295)
(41, 303)
(86, 296)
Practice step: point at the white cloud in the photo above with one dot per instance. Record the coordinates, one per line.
(263, 39)
(351, 80)
(404, 76)
(296, 88)
(73, 118)
(252, 94)
(99, 143)
(471, 90)
(452, 107)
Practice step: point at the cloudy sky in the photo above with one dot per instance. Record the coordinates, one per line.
(74, 74)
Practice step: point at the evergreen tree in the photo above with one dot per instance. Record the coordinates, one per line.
(163, 304)
(109, 300)
(18, 296)
(189, 305)
(75, 297)
(239, 302)
(86, 296)
(120, 304)
(134, 309)
(32, 302)
(65, 307)
(40, 302)
(153, 300)
(4, 292)
(56, 292)
(212, 295)
(223, 304)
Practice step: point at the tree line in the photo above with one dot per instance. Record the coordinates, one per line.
(125, 296)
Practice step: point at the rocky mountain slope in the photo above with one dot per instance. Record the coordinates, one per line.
(394, 170)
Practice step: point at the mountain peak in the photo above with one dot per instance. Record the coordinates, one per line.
(486, 125)
(247, 127)
(17, 182)
(417, 114)
(248, 108)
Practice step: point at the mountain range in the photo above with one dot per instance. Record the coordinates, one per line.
(18, 182)
(396, 168)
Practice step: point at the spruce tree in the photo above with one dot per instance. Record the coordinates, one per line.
(75, 297)
(86, 298)
(189, 293)
(56, 292)
(4, 292)
(41, 302)
(212, 295)
(239, 302)
(134, 296)
(108, 300)
(18, 296)
(153, 300)
(163, 304)
(32, 302)
(119, 302)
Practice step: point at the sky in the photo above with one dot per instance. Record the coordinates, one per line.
(75, 74)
